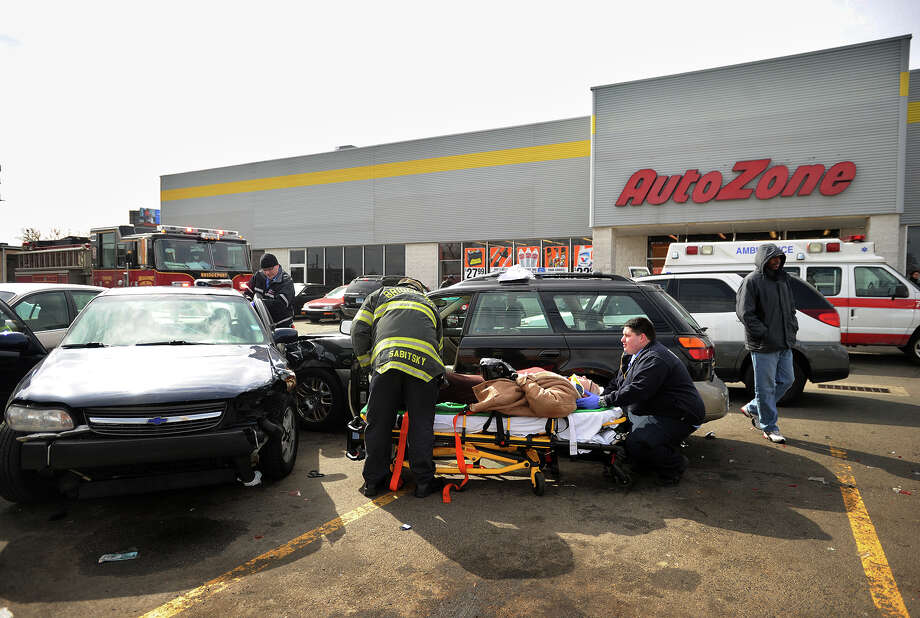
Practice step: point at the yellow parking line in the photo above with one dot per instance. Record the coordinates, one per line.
(219, 583)
(884, 589)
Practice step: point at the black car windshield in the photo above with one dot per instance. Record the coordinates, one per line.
(165, 319)
(192, 254)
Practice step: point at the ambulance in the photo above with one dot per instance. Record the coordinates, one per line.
(877, 305)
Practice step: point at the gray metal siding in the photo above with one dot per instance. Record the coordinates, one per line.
(824, 107)
(911, 214)
(547, 198)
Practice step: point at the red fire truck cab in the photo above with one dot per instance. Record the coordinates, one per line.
(169, 255)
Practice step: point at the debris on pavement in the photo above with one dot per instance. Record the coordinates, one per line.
(294, 492)
(314, 474)
(406, 526)
(818, 479)
(710, 436)
(118, 557)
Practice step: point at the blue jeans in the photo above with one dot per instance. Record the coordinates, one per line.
(773, 375)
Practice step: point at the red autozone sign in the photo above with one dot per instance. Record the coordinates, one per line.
(751, 177)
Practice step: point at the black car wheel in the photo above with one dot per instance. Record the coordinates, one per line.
(794, 392)
(320, 400)
(912, 349)
(17, 485)
(278, 456)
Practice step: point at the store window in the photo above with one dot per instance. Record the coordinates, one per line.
(334, 265)
(316, 265)
(475, 262)
(394, 261)
(913, 247)
(527, 253)
(297, 261)
(354, 262)
(556, 253)
(449, 263)
(500, 255)
(373, 260)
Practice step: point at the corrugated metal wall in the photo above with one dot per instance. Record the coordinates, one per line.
(911, 214)
(823, 107)
(537, 198)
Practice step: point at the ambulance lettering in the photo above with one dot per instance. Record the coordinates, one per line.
(752, 250)
(646, 184)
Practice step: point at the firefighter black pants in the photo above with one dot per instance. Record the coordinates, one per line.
(654, 443)
(391, 392)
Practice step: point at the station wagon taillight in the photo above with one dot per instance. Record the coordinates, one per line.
(697, 348)
(828, 316)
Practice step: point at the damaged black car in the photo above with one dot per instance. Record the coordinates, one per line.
(151, 388)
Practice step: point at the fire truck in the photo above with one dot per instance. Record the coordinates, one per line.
(173, 255)
(64, 260)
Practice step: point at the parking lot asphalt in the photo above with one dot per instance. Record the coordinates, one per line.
(826, 524)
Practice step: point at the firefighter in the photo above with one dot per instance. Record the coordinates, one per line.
(276, 289)
(397, 335)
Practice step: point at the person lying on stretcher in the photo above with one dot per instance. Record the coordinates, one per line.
(662, 404)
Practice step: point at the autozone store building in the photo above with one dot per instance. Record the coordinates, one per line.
(820, 144)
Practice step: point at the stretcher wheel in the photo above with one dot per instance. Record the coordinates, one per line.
(539, 483)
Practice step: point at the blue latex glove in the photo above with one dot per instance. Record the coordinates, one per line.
(589, 401)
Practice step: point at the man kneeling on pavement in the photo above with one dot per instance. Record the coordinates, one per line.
(659, 398)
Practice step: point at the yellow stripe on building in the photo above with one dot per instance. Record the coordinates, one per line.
(913, 112)
(905, 83)
(493, 158)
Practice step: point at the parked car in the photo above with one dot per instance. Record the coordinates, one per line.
(47, 308)
(20, 350)
(305, 292)
(151, 387)
(818, 355)
(569, 323)
(328, 307)
(360, 288)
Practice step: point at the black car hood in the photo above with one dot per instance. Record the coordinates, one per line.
(140, 375)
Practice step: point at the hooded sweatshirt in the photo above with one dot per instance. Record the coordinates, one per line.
(766, 306)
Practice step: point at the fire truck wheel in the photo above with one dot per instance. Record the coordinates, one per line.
(17, 485)
(794, 392)
(278, 456)
(320, 400)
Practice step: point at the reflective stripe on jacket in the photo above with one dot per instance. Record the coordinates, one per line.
(399, 328)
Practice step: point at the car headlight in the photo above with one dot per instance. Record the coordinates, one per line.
(20, 418)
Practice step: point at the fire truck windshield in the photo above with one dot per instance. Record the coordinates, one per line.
(181, 254)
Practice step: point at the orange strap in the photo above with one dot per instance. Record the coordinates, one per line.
(400, 452)
(461, 464)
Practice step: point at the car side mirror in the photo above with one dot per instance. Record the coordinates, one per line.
(900, 291)
(14, 342)
(284, 335)
(345, 327)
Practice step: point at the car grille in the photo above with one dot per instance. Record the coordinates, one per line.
(155, 420)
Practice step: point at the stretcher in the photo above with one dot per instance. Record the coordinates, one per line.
(492, 444)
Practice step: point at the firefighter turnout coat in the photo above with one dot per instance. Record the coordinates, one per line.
(399, 328)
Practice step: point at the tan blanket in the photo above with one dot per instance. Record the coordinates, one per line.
(544, 394)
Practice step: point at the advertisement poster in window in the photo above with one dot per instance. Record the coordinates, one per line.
(500, 259)
(528, 257)
(584, 258)
(474, 262)
(556, 259)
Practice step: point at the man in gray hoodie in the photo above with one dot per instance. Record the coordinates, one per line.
(767, 309)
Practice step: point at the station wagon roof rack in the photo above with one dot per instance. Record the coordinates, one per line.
(573, 275)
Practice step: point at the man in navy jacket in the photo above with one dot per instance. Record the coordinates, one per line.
(662, 404)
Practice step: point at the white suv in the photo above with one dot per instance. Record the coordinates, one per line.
(710, 298)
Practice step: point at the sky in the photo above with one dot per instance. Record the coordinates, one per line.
(99, 99)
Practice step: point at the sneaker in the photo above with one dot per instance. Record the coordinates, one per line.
(775, 437)
(745, 412)
(255, 481)
(435, 485)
